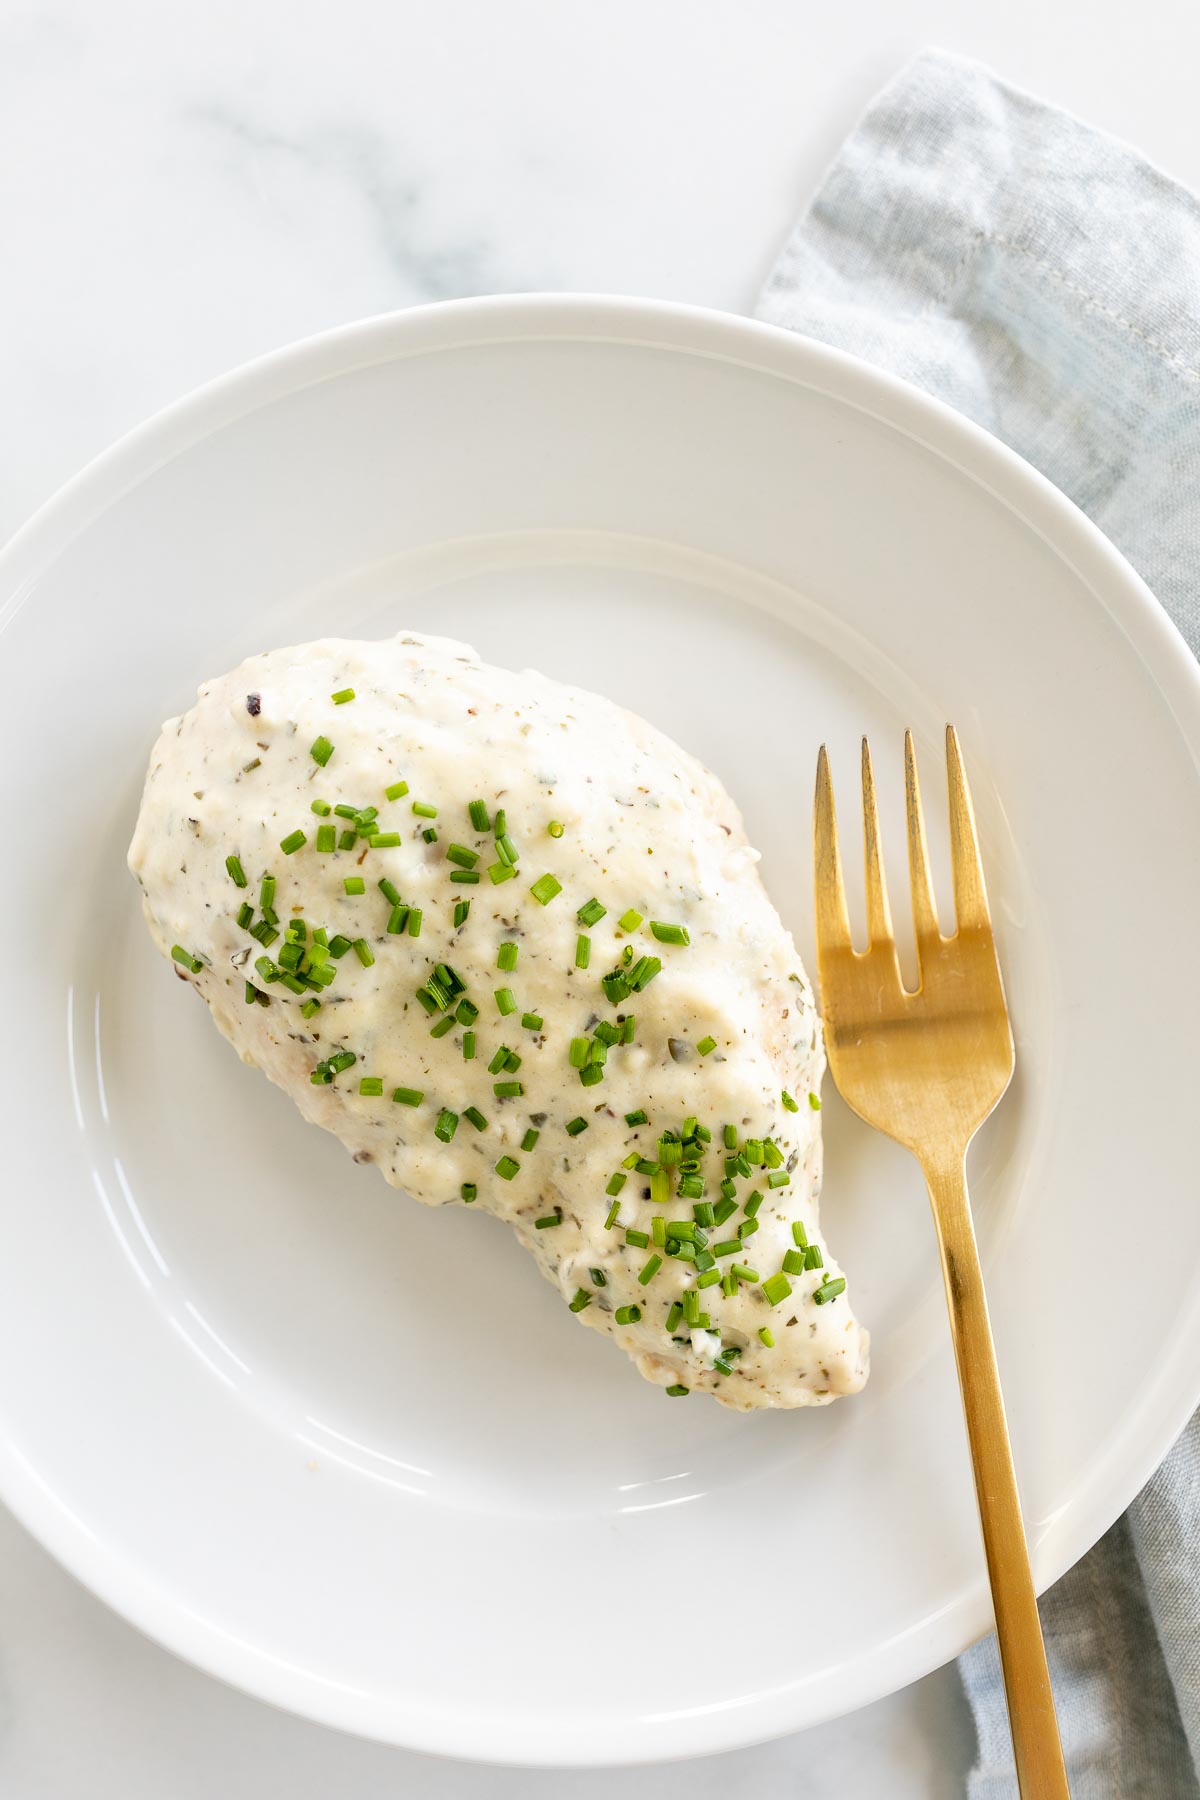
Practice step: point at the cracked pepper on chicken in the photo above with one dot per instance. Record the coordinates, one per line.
(509, 943)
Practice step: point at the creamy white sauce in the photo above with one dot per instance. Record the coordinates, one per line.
(646, 828)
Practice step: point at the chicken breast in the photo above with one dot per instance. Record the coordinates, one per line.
(509, 943)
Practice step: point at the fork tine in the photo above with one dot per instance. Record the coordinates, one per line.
(879, 913)
(833, 920)
(925, 920)
(970, 891)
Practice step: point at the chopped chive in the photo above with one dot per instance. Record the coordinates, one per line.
(814, 1102)
(636, 1118)
(363, 951)
(789, 1103)
(579, 1300)
(354, 884)
(614, 1213)
(476, 1117)
(669, 934)
(591, 912)
(245, 915)
(779, 1178)
(829, 1290)
(583, 951)
(506, 957)
(505, 1001)
(508, 1090)
(342, 695)
(236, 872)
(292, 842)
(548, 1221)
(629, 921)
(660, 1187)
(309, 1008)
(458, 853)
(507, 1167)
(707, 1277)
(766, 1336)
(592, 1076)
(578, 1052)
(649, 1270)
(575, 1126)
(627, 1315)
(344, 810)
(321, 807)
(371, 1085)
(321, 750)
(414, 921)
(326, 839)
(338, 945)
(447, 1125)
(773, 1153)
(185, 957)
(676, 1391)
(793, 1262)
(499, 1060)
(658, 1230)
(813, 1258)
(643, 972)
(674, 1314)
(777, 1288)
(467, 1012)
(397, 918)
(397, 790)
(423, 810)
(799, 1235)
(530, 1139)
(468, 1046)
(479, 815)
(531, 1021)
(345, 1059)
(384, 840)
(462, 910)
(507, 851)
(706, 1044)
(616, 1182)
(555, 828)
(468, 1191)
(752, 1205)
(347, 840)
(747, 1228)
(443, 1026)
(597, 1051)
(638, 1239)
(545, 888)
(429, 834)
(753, 1150)
(500, 822)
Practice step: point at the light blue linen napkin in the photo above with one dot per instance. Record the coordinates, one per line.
(1045, 280)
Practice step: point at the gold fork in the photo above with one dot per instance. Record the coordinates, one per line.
(927, 1068)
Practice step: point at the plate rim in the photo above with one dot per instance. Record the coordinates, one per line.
(1023, 490)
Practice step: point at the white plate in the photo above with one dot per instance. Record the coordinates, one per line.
(215, 1403)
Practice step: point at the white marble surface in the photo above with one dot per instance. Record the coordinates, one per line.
(182, 188)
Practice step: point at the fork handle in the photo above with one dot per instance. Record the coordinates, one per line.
(1036, 1745)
